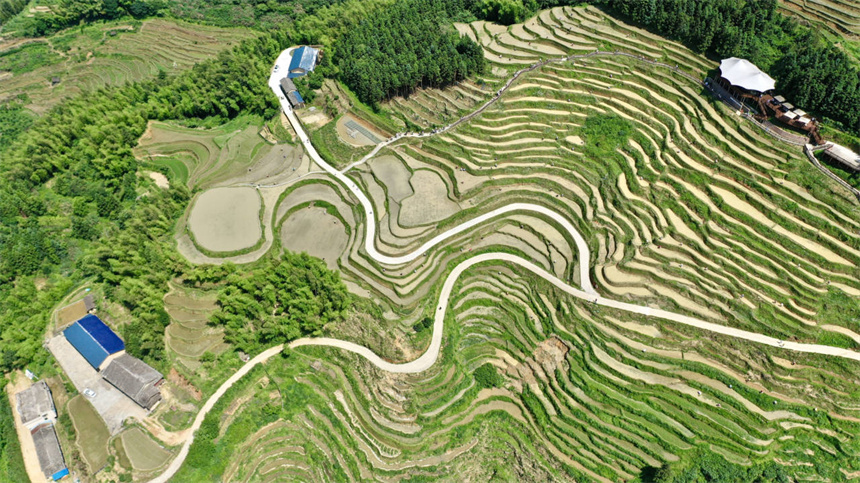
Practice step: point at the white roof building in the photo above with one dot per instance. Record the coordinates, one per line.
(743, 73)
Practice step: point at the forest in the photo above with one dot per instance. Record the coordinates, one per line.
(10, 8)
(282, 300)
(405, 46)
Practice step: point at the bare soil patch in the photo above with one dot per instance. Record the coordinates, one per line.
(226, 219)
(314, 231)
(314, 118)
(160, 180)
(393, 174)
(429, 203)
(71, 313)
(176, 378)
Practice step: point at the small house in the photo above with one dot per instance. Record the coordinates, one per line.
(296, 100)
(293, 96)
(36, 406)
(49, 453)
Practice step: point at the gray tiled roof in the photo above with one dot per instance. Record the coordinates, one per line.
(135, 378)
(34, 401)
(48, 449)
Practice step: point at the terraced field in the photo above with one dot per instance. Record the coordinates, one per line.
(201, 158)
(838, 16)
(188, 336)
(682, 206)
(97, 56)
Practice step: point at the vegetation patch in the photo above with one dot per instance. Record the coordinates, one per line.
(143, 453)
(92, 434)
(282, 300)
(487, 376)
(604, 133)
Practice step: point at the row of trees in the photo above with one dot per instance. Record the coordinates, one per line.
(812, 72)
(259, 14)
(704, 465)
(405, 46)
(249, 13)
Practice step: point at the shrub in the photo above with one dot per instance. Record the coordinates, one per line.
(487, 376)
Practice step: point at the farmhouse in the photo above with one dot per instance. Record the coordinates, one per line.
(136, 379)
(303, 61)
(292, 93)
(93, 339)
(36, 406)
(289, 89)
(844, 156)
(296, 100)
(49, 452)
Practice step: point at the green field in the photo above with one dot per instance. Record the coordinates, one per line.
(92, 434)
(143, 453)
(201, 158)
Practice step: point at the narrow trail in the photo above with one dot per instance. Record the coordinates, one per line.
(426, 360)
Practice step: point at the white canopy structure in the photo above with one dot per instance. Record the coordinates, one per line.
(743, 73)
(844, 155)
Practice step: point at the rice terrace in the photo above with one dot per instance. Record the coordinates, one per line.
(602, 255)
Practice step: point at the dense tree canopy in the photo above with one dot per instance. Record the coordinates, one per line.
(10, 8)
(281, 301)
(70, 200)
(704, 466)
(403, 47)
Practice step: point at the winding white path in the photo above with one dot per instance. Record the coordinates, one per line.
(432, 353)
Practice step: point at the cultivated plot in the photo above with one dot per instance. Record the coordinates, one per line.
(226, 219)
(683, 207)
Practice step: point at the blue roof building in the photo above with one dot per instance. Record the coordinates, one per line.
(303, 61)
(93, 339)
